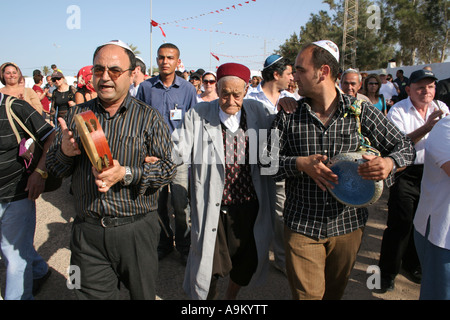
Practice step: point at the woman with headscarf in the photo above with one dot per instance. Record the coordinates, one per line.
(85, 90)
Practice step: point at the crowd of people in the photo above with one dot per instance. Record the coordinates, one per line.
(189, 137)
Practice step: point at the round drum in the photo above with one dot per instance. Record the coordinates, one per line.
(353, 190)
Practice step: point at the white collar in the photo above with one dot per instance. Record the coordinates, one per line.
(231, 121)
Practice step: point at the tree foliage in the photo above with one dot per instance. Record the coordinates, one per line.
(409, 31)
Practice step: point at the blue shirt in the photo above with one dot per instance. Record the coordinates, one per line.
(381, 104)
(180, 95)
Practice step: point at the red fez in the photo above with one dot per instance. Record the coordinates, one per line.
(233, 69)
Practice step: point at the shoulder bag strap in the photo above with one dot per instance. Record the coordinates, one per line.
(8, 103)
(10, 113)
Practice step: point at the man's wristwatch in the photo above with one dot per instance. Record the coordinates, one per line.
(43, 174)
(127, 178)
(394, 167)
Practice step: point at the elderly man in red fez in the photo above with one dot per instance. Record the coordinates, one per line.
(231, 196)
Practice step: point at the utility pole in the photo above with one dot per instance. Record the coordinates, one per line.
(151, 41)
(349, 40)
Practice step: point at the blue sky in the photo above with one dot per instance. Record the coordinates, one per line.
(35, 33)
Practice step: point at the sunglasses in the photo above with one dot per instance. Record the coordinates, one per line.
(114, 72)
(209, 81)
(372, 83)
(55, 79)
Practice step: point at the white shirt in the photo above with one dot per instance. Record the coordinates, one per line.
(434, 203)
(407, 119)
(133, 90)
(230, 121)
(259, 95)
(388, 90)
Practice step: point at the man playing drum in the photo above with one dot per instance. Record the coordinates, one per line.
(322, 235)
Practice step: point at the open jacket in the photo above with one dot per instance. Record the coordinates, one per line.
(199, 142)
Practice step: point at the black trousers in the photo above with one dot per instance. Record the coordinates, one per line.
(235, 252)
(108, 256)
(397, 247)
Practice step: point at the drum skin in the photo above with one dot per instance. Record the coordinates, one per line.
(94, 140)
(352, 190)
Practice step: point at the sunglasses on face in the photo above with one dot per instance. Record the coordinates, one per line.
(114, 72)
(209, 81)
(55, 79)
(372, 83)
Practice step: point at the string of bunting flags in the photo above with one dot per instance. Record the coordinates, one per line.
(217, 55)
(246, 59)
(155, 24)
(236, 6)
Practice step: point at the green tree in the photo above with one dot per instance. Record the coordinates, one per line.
(318, 27)
(134, 49)
(419, 28)
(45, 70)
(371, 52)
(410, 31)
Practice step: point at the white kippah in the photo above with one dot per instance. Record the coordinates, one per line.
(330, 46)
(119, 43)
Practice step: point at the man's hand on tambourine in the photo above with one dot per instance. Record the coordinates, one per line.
(68, 144)
(107, 178)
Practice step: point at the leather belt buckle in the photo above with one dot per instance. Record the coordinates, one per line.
(106, 221)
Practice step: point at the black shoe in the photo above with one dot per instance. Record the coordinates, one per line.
(38, 283)
(387, 284)
(164, 252)
(414, 275)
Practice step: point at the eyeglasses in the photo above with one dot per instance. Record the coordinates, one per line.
(209, 81)
(114, 72)
(372, 83)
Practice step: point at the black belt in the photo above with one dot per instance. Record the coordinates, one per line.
(109, 222)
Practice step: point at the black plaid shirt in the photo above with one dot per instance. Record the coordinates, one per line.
(309, 210)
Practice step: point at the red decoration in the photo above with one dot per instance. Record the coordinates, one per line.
(156, 24)
(215, 56)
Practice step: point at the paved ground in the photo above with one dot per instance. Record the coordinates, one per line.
(55, 213)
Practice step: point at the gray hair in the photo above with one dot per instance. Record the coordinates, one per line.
(354, 71)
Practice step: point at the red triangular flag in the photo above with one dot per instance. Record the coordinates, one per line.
(162, 31)
(215, 56)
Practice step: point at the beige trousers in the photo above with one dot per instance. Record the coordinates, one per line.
(320, 268)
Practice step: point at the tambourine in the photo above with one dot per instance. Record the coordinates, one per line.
(94, 140)
(353, 190)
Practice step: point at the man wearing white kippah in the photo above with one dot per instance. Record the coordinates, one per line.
(322, 235)
(276, 74)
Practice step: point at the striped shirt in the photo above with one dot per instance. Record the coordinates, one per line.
(135, 131)
(308, 209)
(14, 176)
